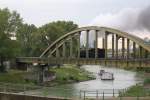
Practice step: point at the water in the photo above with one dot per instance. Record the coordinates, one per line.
(123, 79)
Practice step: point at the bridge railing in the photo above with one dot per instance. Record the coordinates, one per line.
(30, 60)
(75, 60)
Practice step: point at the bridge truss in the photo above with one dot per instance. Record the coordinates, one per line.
(95, 45)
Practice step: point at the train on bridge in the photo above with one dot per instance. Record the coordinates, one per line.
(100, 53)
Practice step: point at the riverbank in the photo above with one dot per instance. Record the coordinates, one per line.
(141, 89)
(70, 74)
(64, 75)
(74, 74)
(72, 90)
(15, 77)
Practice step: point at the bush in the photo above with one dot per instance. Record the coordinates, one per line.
(71, 74)
(64, 79)
(135, 91)
(147, 81)
(71, 78)
(14, 76)
(2, 69)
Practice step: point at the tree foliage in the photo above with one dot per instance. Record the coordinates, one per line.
(36, 40)
(20, 39)
(9, 22)
(25, 36)
(54, 30)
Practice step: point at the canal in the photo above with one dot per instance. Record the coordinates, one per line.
(122, 79)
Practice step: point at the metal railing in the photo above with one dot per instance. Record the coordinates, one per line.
(54, 60)
(111, 94)
(103, 93)
(42, 91)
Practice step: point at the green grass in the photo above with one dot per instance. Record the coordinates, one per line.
(64, 74)
(146, 81)
(69, 73)
(137, 90)
(140, 90)
(15, 79)
(13, 76)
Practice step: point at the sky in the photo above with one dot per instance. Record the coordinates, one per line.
(119, 14)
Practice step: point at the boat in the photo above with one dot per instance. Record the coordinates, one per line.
(106, 75)
(101, 72)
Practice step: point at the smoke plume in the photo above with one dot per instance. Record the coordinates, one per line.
(132, 20)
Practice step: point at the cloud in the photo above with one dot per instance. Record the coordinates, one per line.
(133, 20)
(144, 19)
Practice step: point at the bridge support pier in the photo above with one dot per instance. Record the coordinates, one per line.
(64, 50)
(116, 42)
(128, 51)
(87, 44)
(123, 48)
(105, 47)
(71, 47)
(117, 38)
(96, 42)
(41, 73)
(113, 46)
(140, 56)
(134, 50)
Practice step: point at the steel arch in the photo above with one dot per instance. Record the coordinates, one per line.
(135, 39)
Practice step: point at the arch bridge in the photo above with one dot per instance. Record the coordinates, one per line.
(95, 45)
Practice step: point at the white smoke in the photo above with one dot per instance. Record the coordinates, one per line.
(132, 20)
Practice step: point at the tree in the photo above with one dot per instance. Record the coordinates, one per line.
(33, 41)
(9, 22)
(48, 33)
(25, 36)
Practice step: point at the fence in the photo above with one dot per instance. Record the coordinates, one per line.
(111, 94)
(103, 93)
(39, 91)
(49, 92)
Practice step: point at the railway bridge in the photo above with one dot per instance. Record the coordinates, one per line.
(95, 45)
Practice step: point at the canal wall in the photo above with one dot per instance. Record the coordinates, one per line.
(12, 96)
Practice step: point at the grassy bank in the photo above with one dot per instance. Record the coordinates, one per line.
(142, 89)
(14, 76)
(139, 89)
(64, 74)
(70, 74)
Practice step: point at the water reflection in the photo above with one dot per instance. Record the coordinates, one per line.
(123, 79)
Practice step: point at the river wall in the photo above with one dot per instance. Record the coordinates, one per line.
(12, 96)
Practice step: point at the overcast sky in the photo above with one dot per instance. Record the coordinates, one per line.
(83, 12)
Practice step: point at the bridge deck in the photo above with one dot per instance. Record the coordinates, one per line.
(31, 60)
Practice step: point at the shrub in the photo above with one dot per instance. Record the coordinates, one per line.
(147, 81)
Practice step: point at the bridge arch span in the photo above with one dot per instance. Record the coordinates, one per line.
(118, 34)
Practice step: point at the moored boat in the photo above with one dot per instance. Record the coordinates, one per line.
(106, 75)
